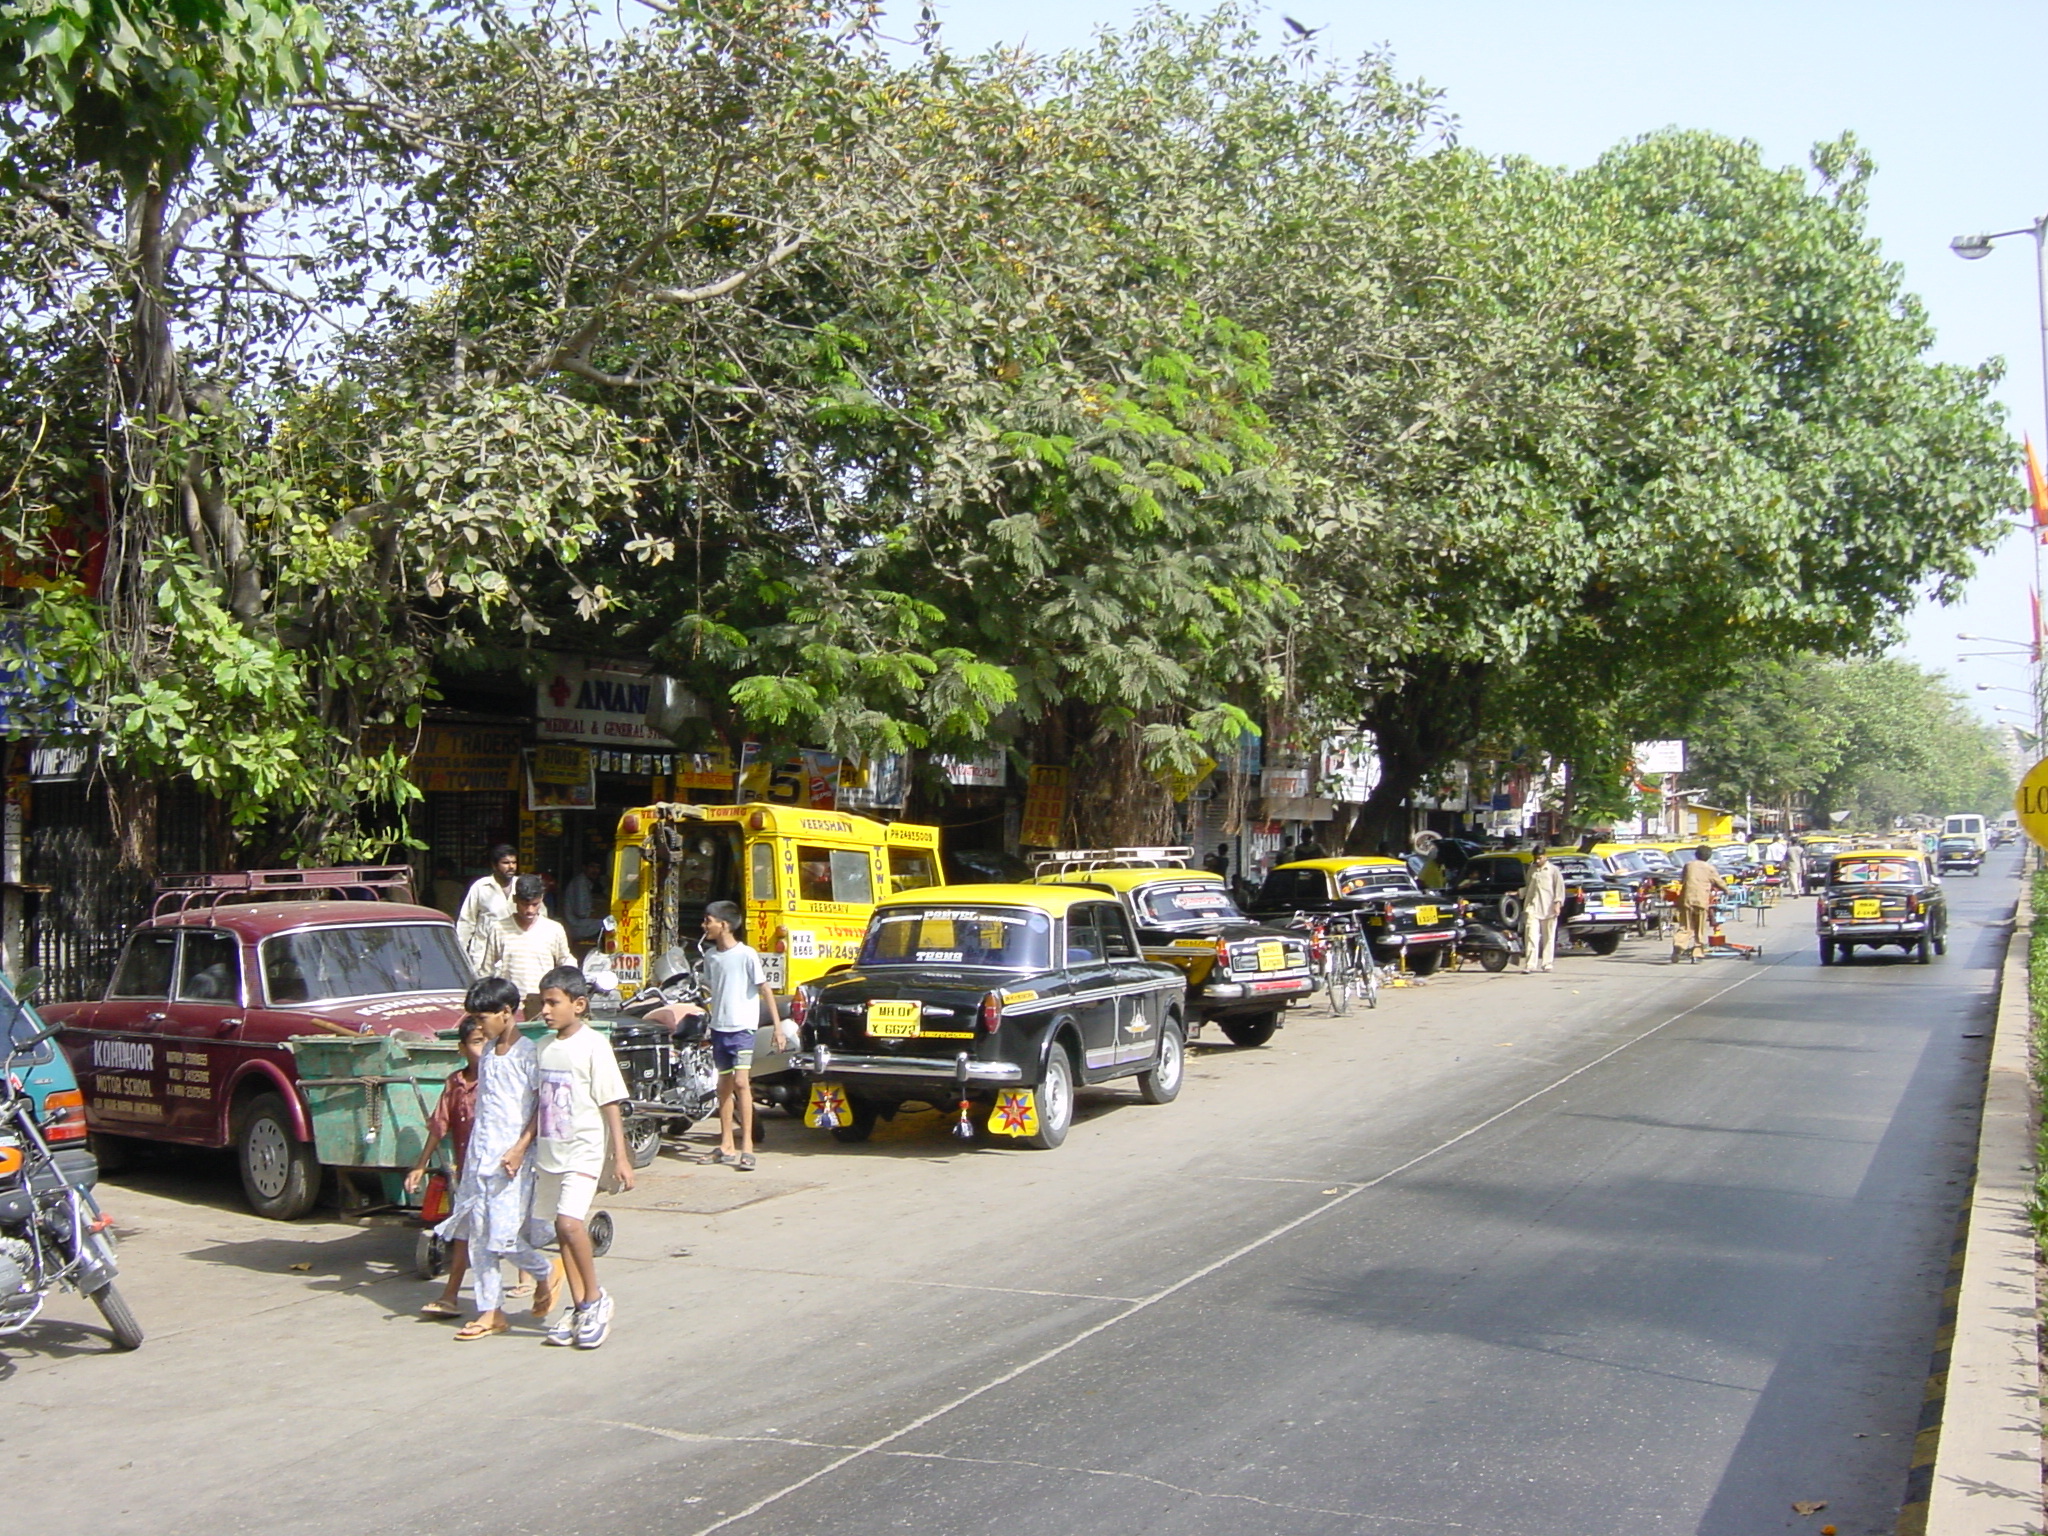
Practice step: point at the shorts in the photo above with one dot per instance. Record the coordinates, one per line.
(562, 1194)
(732, 1049)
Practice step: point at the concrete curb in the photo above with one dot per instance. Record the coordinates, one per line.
(1987, 1464)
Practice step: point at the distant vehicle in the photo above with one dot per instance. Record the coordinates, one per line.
(1958, 853)
(1399, 917)
(1964, 825)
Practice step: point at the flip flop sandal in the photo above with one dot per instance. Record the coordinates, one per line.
(439, 1308)
(745, 1163)
(477, 1328)
(546, 1292)
(718, 1159)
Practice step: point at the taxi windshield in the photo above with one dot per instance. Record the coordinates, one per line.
(1011, 939)
(1193, 901)
(1376, 880)
(1642, 861)
(1876, 872)
(320, 965)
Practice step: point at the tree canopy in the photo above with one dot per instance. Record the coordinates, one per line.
(1106, 406)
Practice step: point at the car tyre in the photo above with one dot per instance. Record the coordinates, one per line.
(864, 1115)
(1923, 952)
(1603, 943)
(120, 1321)
(1162, 1084)
(1256, 1030)
(1423, 962)
(1055, 1101)
(280, 1173)
(1493, 961)
(599, 1226)
(1511, 910)
(1827, 951)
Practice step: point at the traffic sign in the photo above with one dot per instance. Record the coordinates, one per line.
(2031, 801)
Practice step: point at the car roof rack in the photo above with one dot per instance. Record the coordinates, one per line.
(1069, 861)
(201, 892)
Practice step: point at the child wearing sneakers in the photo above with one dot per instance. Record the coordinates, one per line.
(739, 991)
(494, 1200)
(577, 1122)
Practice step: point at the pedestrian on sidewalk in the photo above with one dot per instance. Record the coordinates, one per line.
(738, 990)
(529, 943)
(1542, 906)
(579, 1127)
(494, 1202)
(454, 1115)
(488, 902)
(1697, 883)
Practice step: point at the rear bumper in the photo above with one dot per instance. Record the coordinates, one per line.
(1848, 928)
(1255, 993)
(903, 1070)
(1603, 917)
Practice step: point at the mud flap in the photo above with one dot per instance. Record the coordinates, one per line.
(1015, 1114)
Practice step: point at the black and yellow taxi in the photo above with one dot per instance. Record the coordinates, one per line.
(993, 1003)
(1880, 896)
(1240, 973)
(1599, 909)
(1398, 916)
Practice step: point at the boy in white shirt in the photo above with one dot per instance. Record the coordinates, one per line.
(578, 1115)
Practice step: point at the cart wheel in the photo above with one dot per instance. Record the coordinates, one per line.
(600, 1225)
(430, 1256)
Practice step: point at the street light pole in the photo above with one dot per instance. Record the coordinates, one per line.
(1976, 248)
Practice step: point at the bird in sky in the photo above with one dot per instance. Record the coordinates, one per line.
(1299, 30)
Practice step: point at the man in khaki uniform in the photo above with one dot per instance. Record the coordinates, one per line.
(1697, 883)
(1542, 906)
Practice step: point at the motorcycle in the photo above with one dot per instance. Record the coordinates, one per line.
(664, 1053)
(1491, 945)
(52, 1234)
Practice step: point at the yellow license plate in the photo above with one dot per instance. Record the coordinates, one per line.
(1867, 906)
(1273, 957)
(1424, 916)
(894, 1019)
(1611, 899)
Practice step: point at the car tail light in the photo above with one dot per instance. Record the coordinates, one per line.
(800, 1005)
(992, 1012)
(64, 1116)
(1223, 953)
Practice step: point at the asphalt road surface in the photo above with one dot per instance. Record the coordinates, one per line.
(1626, 1247)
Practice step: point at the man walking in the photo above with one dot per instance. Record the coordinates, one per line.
(529, 944)
(1542, 906)
(1697, 883)
(488, 903)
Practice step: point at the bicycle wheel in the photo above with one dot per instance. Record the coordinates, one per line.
(1369, 981)
(1337, 979)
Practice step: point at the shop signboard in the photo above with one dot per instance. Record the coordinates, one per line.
(463, 759)
(1045, 807)
(1660, 757)
(600, 705)
(875, 784)
(985, 770)
(560, 778)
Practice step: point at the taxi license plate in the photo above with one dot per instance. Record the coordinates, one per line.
(1610, 899)
(1867, 906)
(1273, 957)
(894, 1019)
(1424, 916)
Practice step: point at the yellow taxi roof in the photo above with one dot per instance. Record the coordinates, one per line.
(1338, 866)
(1882, 853)
(1126, 878)
(1045, 898)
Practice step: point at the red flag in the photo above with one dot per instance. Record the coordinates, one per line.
(2037, 489)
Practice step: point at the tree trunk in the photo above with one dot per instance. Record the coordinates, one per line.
(1415, 730)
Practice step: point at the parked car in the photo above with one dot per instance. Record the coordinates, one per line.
(1954, 853)
(58, 1105)
(1881, 897)
(1240, 973)
(1399, 917)
(995, 1002)
(1598, 908)
(189, 1043)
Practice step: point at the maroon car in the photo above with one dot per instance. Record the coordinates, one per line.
(188, 1045)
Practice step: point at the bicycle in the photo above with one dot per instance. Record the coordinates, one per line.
(1339, 953)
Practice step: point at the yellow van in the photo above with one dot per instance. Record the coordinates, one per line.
(805, 879)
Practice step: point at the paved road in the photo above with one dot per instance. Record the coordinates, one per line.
(1629, 1247)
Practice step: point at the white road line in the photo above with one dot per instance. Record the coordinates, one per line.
(881, 1444)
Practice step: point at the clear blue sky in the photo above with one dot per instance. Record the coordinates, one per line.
(1951, 99)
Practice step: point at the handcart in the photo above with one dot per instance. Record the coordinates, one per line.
(370, 1098)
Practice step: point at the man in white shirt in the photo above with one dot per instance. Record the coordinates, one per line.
(529, 943)
(488, 903)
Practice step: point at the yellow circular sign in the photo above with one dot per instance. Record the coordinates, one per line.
(2031, 801)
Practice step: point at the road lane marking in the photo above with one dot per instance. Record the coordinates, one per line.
(881, 1445)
